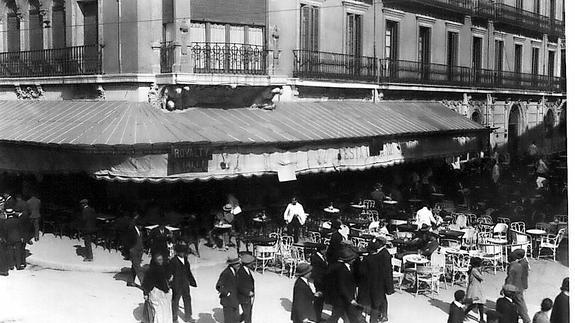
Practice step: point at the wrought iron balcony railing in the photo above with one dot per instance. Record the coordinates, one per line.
(460, 6)
(324, 65)
(229, 58)
(77, 60)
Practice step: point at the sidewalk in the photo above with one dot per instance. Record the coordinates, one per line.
(65, 254)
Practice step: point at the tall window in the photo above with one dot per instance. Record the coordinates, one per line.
(90, 12)
(477, 53)
(424, 46)
(518, 58)
(519, 4)
(535, 60)
(13, 29)
(354, 26)
(537, 6)
(35, 30)
(452, 48)
(309, 28)
(391, 40)
(553, 9)
(499, 55)
(551, 63)
(58, 24)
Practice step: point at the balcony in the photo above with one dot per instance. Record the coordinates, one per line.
(333, 66)
(219, 58)
(325, 66)
(435, 7)
(517, 19)
(77, 60)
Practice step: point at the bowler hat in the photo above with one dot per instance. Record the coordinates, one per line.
(233, 261)
(518, 254)
(181, 247)
(84, 201)
(381, 239)
(565, 284)
(227, 207)
(247, 259)
(347, 254)
(302, 269)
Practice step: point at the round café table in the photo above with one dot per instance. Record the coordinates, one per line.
(537, 234)
(224, 229)
(359, 206)
(331, 209)
(418, 260)
(390, 202)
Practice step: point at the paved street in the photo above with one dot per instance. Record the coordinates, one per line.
(64, 296)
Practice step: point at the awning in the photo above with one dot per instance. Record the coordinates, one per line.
(136, 142)
(102, 125)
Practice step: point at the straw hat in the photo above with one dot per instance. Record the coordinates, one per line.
(233, 261)
(247, 259)
(227, 207)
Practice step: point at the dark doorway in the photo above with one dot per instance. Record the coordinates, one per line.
(424, 51)
(513, 130)
(549, 123)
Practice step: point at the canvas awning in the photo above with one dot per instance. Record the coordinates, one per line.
(135, 141)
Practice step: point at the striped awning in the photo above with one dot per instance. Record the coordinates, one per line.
(105, 124)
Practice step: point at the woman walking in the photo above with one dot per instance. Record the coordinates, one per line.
(475, 288)
(157, 294)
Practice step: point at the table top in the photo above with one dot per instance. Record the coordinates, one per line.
(331, 210)
(223, 226)
(262, 219)
(307, 245)
(151, 227)
(536, 231)
(390, 202)
(497, 241)
(105, 217)
(397, 222)
(455, 233)
(416, 259)
(438, 194)
(358, 206)
(261, 240)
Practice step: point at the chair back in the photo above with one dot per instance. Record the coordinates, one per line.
(500, 228)
(461, 262)
(362, 244)
(561, 218)
(369, 204)
(286, 242)
(274, 235)
(372, 215)
(315, 236)
(355, 241)
(265, 252)
(518, 226)
(437, 260)
(503, 220)
(484, 219)
(326, 241)
(298, 253)
(471, 218)
(396, 264)
(483, 236)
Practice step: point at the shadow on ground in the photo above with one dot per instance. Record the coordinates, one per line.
(286, 304)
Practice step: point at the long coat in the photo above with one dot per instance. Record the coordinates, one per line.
(89, 220)
(334, 248)
(560, 312)
(507, 310)
(159, 241)
(319, 271)
(183, 277)
(246, 285)
(341, 282)
(227, 286)
(376, 274)
(302, 302)
(13, 230)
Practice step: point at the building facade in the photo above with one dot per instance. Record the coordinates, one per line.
(500, 63)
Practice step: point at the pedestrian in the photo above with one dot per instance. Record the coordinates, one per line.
(543, 315)
(457, 309)
(236, 211)
(377, 272)
(319, 270)
(246, 287)
(157, 294)
(4, 260)
(15, 240)
(560, 312)
(295, 217)
(344, 286)
(475, 293)
(34, 204)
(88, 228)
(159, 240)
(135, 247)
(506, 306)
(335, 243)
(305, 295)
(517, 276)
(182, 279)
(227, 286)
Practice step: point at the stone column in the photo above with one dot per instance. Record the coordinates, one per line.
(182, 12)
(46, 14)
(490, 45)
(22, 11)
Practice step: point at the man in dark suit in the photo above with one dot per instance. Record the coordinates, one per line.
(4, 260)
(246, 287)
(181, 282)
(135, 250)
(344, 289)
(88, 228)
(505, 306)
(304, 296)
(159, 238)
(318, 273)
(560, 313)
(335, 243)
(517, 277)
(227, 286)
(15, 240)
(376, 267)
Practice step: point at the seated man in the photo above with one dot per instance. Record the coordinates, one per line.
(219, 235)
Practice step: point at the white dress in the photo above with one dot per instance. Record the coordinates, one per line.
(159, 306)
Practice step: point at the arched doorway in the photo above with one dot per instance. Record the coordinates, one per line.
(513, 130)
(476, 116)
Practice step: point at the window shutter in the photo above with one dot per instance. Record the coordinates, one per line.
(315, 28)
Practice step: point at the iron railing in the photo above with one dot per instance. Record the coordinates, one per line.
(77, 60)
(224, 58)
(463, 6)
(324, 65)
(167, 57)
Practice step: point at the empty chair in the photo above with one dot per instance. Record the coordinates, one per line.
(552, 243)
(518, 226)
(369, 204)
(500, 231)
(264, 255)
(459, 268)
(397, 273)
(503, 220)
(427, 279)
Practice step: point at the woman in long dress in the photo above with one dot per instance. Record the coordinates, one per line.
(475, 292)
(157, 293)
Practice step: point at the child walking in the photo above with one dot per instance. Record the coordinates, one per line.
(475, 293)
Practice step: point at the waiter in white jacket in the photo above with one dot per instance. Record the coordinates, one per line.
(295, 217)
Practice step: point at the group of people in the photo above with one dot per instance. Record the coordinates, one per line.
(356, 285)
(19, 225)
(511, 306)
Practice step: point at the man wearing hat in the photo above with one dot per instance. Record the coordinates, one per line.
(517, 276)
(227, 286)
(304, 296)
(134, 247)
(181, 281)
(246, 287)
(335, 243)
(4, 259)
(159, 238)
(560, 313)
(505, 306)
(88, 228)
(319, 271)
(378, 273)
(15, 240)
(344, 289)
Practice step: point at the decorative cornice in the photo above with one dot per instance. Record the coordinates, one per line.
(453, 25)
(425, 19)
(356, 5)
(392, 14)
